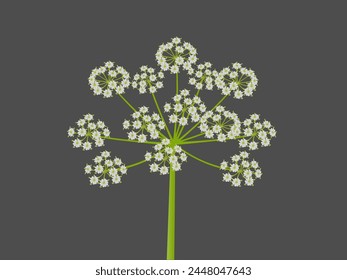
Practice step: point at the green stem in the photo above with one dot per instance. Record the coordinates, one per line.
(127, 102)
(219, 102)
(170, 253)
(194, 136)
(185, 142)
(175, 125)
(130, 141)
(181, 129)
(161, 115)
(198, 142)
(201, 160)
(135, 164)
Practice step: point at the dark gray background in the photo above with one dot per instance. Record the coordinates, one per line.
(49, 211)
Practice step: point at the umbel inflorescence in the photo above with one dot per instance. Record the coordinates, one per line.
(182, 121)
(186, 109)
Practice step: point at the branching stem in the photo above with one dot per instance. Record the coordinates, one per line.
(130, 141)
(161, 115)
(201, 160)
(127, 102)
(135, 164)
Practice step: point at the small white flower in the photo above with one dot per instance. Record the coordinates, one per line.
(243, 143)
(71, 132)
(234, 167)
(164, 170)
(88, 169)
(148, 156)
(105, 154)
(87, 146)
(99, 169)
(99, 142)
(224, 165)
(253, 145)
(258, 173)
(123, 169)
(116, 179)
(227, 177)
(142, 138)
(93, 180)
(103, 183)
(249, 181)
(236, 182)
(153, 167)
(132, 135)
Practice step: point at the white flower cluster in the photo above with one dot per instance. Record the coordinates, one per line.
(105, 170)
(109, 79)
(255, 131)
(143, 125)
(185, 108)
(240, 80)
(175, 54)
(241, 170)
(203, 76)
(164, 156)
(88, 130)
(221, 124)
(147, 80)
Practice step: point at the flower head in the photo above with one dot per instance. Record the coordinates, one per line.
(175, 55)
(256, 133)
(240, 171)
(220, 124)
(239, 80)
(108, 80)
(202, 76)
(144, 125)
(165, 155)
(147, 81)
(87, 131)
(184, 108)
(105, 170)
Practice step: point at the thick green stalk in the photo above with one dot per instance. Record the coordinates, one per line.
(170, 253)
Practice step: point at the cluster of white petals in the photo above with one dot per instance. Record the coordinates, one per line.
(109, 79)
(185, 108)
(165, 155)
(87, 132)
(202, 76)
(240, 171)
(105, 170)
(143, 125)
(239, 80)
(175, 55)
(147, 80)
(220, 124)
(254, 132)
